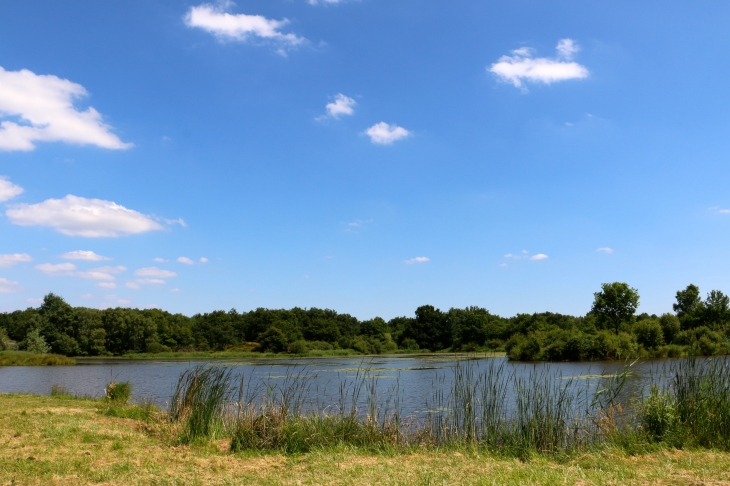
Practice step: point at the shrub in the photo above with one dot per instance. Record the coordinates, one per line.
(657, 413)
(273, 339)
(298, 347)
(674, 351)
(670, 327)
(118, 393)
(409, 344)
(35, 343)
(649, 333)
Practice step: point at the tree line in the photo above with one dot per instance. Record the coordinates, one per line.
(611, 329)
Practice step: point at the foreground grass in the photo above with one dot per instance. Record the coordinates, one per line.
(24, 358)
(61, 440)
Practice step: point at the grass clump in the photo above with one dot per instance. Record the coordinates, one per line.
(118, 393)
(199, 402)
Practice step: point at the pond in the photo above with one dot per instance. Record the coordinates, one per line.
(415, 380)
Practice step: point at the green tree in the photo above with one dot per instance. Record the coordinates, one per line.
(689, 307)
(35, 343)
(649, 333)
(670, 327)
(273, 339)
(716, 309)
(615, 304)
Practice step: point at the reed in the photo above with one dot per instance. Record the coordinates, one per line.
(485, 406)
(199, 402)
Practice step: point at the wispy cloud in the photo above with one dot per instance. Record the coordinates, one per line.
(70, 270)
(239, 27)
(420, 259)
(8, 286)
(521, 66)
(605, 249)
(385, 134)
(185, 260)
(78, 216)
(107, 285)
(525, 255)
(88, 256)
(203, 260)
(11, 259)
(8, 190)
(159, 260)
(154, 272)
(44, 104)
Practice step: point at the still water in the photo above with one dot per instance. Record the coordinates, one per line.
(413, 379)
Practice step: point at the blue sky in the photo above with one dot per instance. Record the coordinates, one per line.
(367, 156)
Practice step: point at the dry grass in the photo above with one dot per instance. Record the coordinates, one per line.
(46, 440)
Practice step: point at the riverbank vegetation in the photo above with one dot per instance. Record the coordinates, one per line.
(610, 330)
(547, 432)
(24, 358)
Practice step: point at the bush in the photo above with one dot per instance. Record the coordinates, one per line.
(273, 339)
(649, 333)
(670, 327)
(658, 414)
(118, 393)
(298, 347)
(409, 344)
(35, 343)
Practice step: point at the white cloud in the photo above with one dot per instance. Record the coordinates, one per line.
(70, 270)
(566, 48)
(343, 105)
(87, 296)
(124, 302)
(324, 2)
(384, 134)
(524, 254)
(502, 264)
(88, 256)
(159, 260)
(521, 66)
(107, 285)
(133, 285)
(175, 290)
(154, 272)
(605, 250)
(8, 286)
(238, 27)
(56, 269)
(78, 216)
(185, 260)
(203, 260)
(420, 259)
(11, 259)
(151, 281)
(8, 190)
(44, 106)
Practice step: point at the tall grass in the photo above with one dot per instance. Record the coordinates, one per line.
(199, 402)
(484, 406)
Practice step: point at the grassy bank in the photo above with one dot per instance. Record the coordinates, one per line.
(24, 358)
(60, 440)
